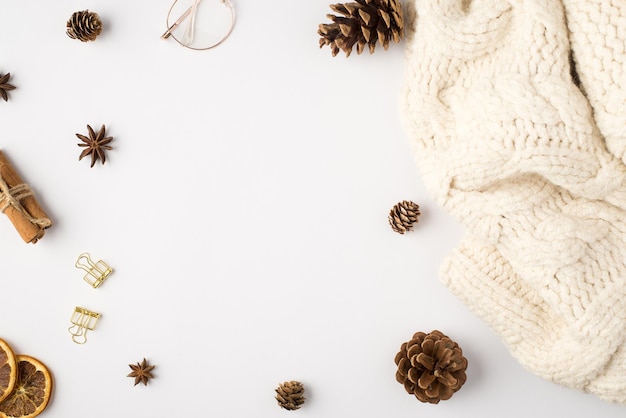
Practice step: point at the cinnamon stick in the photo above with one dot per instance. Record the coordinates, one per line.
(20, 205)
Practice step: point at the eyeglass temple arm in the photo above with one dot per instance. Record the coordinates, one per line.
(182, 17)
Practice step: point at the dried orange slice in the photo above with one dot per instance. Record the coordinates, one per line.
(8, 369)
(32, 390)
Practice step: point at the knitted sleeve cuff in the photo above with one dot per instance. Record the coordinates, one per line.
(535, 335)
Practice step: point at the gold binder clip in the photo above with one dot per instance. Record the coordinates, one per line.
(83, 320)
(96, 272)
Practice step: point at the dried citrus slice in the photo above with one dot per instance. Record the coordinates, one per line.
(8, 370)
(32, 390)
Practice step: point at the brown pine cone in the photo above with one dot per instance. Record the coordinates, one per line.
(431, 367)
(364, 22)
(290, 395)
(403, 215)
(84, 26)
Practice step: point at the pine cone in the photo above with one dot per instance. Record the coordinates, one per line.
(431, 367)
(364, 22)
(290, 395)
(84, 26)
(403, 215)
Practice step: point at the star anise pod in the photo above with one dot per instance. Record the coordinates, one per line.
(96, 145)
(141, 372)
(5, 86)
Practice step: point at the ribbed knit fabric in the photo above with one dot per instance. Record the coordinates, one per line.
(598, 35)
(507, 143)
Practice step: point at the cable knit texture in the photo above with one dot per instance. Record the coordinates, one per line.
(597, 32)
(508, 144)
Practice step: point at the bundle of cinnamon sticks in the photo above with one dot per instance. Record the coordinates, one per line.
(18, 202)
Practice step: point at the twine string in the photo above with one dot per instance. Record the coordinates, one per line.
(11, 197)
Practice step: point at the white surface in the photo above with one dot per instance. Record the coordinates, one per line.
(244, 210)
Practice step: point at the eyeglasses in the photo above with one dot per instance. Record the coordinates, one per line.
(208, 23)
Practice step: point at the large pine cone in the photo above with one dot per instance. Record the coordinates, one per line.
(403, 215)
(431, 367)
(84, 26)
(364, 22)
(290, 395)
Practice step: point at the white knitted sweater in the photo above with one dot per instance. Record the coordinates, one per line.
(531, 165)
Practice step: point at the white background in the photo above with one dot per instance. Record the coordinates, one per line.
(244, 211)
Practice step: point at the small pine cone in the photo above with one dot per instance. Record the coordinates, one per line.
(403, 215)
(84, 26)
(290, 395)
(431, 367)
(361, 23)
